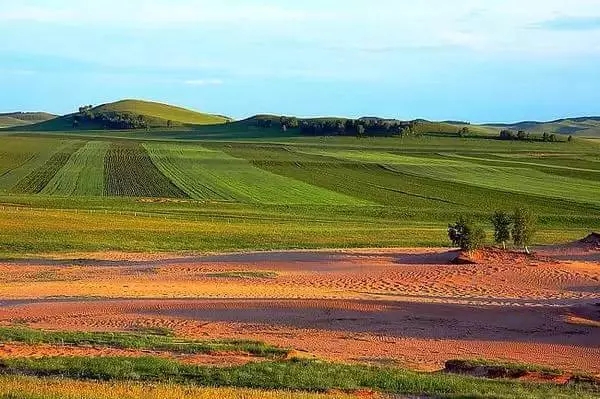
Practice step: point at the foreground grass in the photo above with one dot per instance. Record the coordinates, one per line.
(19, 387)
(146, 340)
(290, 375)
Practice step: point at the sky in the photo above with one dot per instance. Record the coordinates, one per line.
(471, 60)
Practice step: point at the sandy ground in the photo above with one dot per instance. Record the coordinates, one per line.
(407, 307)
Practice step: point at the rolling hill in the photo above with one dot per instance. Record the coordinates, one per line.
(23, 118)
(138, 114)
(126, 113)
(584, 126)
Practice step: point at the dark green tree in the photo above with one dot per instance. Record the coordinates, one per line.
(502, 223)
(466, 235)
(524, 227)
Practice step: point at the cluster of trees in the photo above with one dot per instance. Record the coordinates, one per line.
(521, 135)
(109, 120)
(341, 127)
(358, 127)
(519, 227)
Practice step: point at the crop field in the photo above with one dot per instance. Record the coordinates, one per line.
(165, 195)
(129, 172)
(82, 174)
(215, 175)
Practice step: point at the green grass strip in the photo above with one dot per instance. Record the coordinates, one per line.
(147, 340)
(35, 181)
(130, 172)
(292, 375)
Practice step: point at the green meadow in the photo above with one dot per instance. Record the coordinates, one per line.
(185, 191)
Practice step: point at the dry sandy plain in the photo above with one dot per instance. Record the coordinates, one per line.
(408, 307)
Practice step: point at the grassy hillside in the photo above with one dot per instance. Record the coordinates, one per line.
(162, 112)
(23, 118)
(584, 127)
(145, 114)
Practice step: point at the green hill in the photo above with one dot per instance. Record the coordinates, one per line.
(584, 126)
(23, 118)
(162, 112)
(128, 114)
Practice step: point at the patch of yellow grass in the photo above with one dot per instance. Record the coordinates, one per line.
(72, 389)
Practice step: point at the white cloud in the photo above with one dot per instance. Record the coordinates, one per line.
(332, 30)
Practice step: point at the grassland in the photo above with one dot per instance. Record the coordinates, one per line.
(293, 375)
(155, 193)
(163, 111)
(145, 340)
(47, 388)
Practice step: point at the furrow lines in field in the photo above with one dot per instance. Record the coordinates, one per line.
(130, 172)
(83, 174)
(35, 181)
(212, 174)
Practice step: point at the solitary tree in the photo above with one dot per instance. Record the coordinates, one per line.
(360, 131)
(524, 224)
(466, 235)
(463, 132)
(502, 223)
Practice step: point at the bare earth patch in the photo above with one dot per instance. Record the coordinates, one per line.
(408, 307)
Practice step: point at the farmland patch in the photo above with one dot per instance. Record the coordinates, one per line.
(83, 174)
(215, 175)
(38, 178)
(129, 172)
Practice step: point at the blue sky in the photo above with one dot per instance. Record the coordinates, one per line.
(476, 60)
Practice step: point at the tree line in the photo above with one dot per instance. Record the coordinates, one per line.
(342, 127)
(518, 227)
(522, 135)
(109, 119)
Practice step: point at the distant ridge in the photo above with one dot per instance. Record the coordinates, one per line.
(10, 119)
(580, 126)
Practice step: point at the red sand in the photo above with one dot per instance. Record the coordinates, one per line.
(406, 307)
